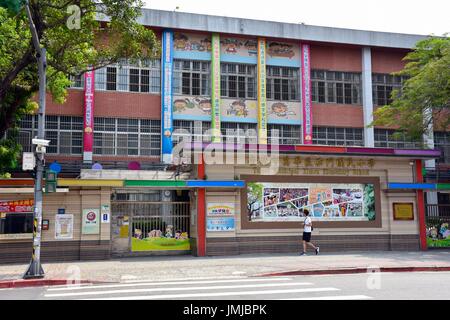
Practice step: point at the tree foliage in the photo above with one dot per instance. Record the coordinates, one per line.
(70, 52)
(424, 99)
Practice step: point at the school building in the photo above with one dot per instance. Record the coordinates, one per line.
(121, 191)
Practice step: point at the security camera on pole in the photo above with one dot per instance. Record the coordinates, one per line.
(35, 269)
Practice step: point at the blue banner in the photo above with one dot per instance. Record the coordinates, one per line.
(167, 96)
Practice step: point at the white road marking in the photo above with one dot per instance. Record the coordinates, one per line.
(182, 279)
(355, 297)
(106, 292)
(119, 285)
(219, 294)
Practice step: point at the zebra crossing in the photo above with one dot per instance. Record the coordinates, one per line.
(239, 288)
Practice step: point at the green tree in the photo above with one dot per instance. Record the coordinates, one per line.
(424, 98)
(71, 51)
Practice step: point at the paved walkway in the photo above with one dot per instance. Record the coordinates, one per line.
(185, 267)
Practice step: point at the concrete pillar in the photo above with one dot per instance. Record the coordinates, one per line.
(367, 97)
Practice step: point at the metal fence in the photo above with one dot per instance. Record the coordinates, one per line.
(437, 214)
(155, 219)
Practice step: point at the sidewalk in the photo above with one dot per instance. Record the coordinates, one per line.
(185, 267)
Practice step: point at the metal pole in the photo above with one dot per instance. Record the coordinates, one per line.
(35, 269)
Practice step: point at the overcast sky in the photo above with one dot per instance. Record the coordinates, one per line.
(404, 16)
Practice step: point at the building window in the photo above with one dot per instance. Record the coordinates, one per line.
(442, 142)
(385, 139)
(191, 131)
(77, 81)
(240, 132)
(288, 134)
(64, 132)
(192, 78)
(16, 223)
(127, 137)
(336, 87)
(283, 83)
(238, 81)
(383, 85)
(331, 136)
(130, 76)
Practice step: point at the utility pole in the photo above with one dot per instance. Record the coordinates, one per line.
(35, 269)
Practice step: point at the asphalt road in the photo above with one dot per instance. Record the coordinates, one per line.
(381, 286)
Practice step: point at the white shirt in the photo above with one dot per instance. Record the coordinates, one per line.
(308, 221)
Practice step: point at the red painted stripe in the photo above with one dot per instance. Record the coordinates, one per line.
(421, 207)
(201, 222)
(323, 149)
(17, 182)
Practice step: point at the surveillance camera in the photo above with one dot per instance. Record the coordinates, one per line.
(41, 142)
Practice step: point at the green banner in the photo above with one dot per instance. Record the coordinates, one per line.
(215, 76)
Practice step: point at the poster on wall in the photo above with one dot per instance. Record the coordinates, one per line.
(285, 202)
(168, 238)
(91, 221)
(64, 227)
(404, 211)
(438, 233)
(221, 209)
(220, 224)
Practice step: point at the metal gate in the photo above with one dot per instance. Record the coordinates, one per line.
(150, 226)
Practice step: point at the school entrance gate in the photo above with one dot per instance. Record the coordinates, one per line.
(143, 224)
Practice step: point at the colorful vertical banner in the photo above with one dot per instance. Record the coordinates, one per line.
(215, 76)
(306, 95)
(89, 92)
(167, 96)
(262, 99)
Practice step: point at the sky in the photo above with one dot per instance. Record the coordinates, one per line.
(423, 17)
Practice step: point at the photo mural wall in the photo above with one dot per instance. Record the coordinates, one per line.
(286, 202)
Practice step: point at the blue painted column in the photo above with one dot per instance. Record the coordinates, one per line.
(167, 96)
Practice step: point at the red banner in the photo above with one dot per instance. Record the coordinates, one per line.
(18, 206)
(89, 90)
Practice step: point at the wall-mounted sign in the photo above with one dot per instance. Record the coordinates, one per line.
(45, 225)
(89, 91)
(91, 221)
(306, 96)
(64, 227)
(404, 211)
(61, 211)
(220, 224)
(18, 206)
(106, 214)
(221, 209)
(28, 161)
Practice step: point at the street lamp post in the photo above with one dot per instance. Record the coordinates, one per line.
(35, 269)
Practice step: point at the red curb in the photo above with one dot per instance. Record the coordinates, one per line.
(354, 271)
(36, 283)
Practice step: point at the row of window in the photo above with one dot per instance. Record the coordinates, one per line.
(114, 137)
(141, 137)
(193, 78)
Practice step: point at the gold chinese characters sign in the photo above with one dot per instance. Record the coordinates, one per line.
(329, 166)
(404, 211)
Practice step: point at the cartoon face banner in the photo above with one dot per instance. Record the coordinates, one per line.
(283, 202)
